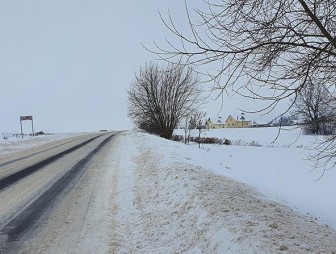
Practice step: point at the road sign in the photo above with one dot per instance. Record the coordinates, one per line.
(24, 118)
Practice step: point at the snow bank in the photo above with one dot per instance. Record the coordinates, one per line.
(181, 206)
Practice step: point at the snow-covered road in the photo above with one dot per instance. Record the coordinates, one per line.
(134, 196)
(48, 193)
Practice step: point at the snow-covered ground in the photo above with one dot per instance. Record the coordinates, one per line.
(173, 198)
(278, 166)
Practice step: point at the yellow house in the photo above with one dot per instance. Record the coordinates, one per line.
(229, 123)
(210, 125)
(242, 123)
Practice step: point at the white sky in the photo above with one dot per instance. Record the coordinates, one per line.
(69, 62)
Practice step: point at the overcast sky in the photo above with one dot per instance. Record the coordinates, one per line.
(69, 62)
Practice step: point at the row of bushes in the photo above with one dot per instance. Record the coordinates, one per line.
(210, 140)
(203, 140)
(7, 136)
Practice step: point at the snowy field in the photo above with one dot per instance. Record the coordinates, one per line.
(278, 167)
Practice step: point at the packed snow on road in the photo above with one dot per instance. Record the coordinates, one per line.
(161, 196)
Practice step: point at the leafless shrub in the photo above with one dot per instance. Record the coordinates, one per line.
(227, 141)
(178, 138)
(160, 97)
(203, 140)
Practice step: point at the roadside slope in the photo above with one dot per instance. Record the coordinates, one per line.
(167, 206)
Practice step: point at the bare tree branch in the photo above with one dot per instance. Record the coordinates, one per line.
(270, 44)
(268, 50)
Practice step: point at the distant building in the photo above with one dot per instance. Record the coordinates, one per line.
(229, 123)
(210, 125)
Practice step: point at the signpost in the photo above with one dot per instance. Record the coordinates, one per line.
(24, 118)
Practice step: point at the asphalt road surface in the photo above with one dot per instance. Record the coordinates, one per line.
(45, 192)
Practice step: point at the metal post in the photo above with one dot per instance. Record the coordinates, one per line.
(32, 126)
(21, 128)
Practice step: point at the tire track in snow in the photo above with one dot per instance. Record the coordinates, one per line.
(37, 153)
(17, 176)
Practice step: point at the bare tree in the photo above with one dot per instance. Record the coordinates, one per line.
(160, 97)
(262, 49)
(315, 108)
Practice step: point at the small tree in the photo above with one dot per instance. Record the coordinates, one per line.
(192, 122)
(198, 119)
(160, 97)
